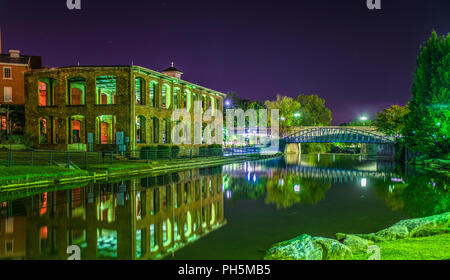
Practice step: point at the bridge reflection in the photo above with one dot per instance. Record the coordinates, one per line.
(146, 218)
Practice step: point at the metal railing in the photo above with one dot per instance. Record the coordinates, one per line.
(84, 160)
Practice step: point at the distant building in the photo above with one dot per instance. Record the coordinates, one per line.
(94, 108)
(13, 65)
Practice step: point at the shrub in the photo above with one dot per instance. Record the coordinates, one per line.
(175, 151)
(148, 152)
(163, 151)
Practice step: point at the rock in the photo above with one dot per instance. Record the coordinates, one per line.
(333, 249)
(426, 226)
(355, 243)
(302, 247)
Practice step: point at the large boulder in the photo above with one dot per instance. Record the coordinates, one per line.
(302, 247)
(426, 226)
(333, 249)
(305, 247)
(355, 243)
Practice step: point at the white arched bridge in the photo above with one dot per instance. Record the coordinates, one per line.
(337, 134)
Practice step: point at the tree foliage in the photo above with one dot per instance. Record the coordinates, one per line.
(313, 110)
(427, 128)
(391, 121)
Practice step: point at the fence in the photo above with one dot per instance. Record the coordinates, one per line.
(86, 159)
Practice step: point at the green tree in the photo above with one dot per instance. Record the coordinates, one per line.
(287, 107)
(427, 128)
(313, 110)
(391, 121)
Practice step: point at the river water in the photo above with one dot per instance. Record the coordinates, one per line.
(234, 211)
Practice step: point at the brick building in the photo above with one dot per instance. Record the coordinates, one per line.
(93, 108)
(13, 65)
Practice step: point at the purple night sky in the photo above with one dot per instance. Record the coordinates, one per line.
(358, 60)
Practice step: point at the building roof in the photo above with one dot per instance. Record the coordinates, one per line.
(35, 62)
(172, 69)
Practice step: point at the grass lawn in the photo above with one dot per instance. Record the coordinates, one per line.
(25, 173)
(435, 247)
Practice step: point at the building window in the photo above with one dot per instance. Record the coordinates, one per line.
(105, 129)
(166, 132)
(7, 74)
(77, 91)
(139, 90)
(203, 102)
(176, 96)
(77, 129)
(7, 94)
(186, 100)
(165, 97)
(44, 127)
(46, 92)
(153, 92)
(140, 129)
(105, 87)
(155, 126)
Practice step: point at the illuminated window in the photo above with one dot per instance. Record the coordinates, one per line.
(139, 90)
(46, 92)
(153, 92)
(77, 91)
(7, 74)
(77, 129)
(176, 96)
(105, 129)
(7, 94)
(155, 126)
(165, 97)
(140, 129)
(106, 87)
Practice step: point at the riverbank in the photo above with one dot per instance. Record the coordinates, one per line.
(440, 165)
(413, 239)
(18, 177)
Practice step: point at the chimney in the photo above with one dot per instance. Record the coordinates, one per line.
(173, 72)
(14, 53)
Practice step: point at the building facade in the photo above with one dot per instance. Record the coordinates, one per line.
(96, 108)
(13, 66)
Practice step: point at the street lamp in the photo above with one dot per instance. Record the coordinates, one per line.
(363, 118)
(297, 115)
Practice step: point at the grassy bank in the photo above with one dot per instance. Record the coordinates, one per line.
(25, 174)
(13, 177)
(433, 247)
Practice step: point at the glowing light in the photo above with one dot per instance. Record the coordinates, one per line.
(282, 118)
(297, 115)
(363, 182)
(297, 188)
(281, 182)
(363, 118)
(254, 178)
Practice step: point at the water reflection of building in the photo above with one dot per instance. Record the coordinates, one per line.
(136, 219)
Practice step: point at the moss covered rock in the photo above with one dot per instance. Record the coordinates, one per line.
(305, 247)
(355, 243)
(302, 247)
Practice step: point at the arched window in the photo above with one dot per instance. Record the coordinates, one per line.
(105, 129)
(153, 93)
(77, 129)
(176, 96)
(155, 126)
(106, 87)
(139, 91)
(165, 96)
(166, 137)
(44, 130)
(46, 92)
(48, 130)
(203, 102)
(187, 99)
(77, 91)
(140, 129)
